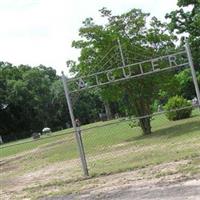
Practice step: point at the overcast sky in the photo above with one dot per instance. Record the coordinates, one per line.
(41, 31)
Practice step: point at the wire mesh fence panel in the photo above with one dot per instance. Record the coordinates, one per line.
(128, 121)
(41, 161)
(116, 145)
(142, 106)
(110, 146)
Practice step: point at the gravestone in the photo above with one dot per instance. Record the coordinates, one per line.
(1, 140)
(36, 135)
(46, 130)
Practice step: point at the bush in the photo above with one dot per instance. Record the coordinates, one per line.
(178, 102)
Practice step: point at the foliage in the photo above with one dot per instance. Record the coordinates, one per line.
(180, 105)
(139, 39)
(186, 85)
(186, 20)
(87, 107)
(27, 92)
(33, 98)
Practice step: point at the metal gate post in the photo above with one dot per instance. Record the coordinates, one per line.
(77, 132)
(189, 55)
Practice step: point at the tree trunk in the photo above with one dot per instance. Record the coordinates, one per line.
(145, 124)
(143, 109)
(107, 109)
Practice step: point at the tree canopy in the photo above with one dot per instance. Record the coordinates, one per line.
(186, 22)
(141, 40)
(32, 98)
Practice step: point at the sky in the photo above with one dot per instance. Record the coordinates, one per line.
(38, 32)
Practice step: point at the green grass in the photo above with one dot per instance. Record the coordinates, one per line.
(110, 147)
(97, 140)
(13, 148)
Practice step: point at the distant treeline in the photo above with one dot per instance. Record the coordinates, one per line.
(32, 98)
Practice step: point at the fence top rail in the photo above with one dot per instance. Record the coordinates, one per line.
(130, 118)
(33, 140)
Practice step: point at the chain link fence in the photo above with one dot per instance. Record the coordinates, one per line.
(110, 146)
(119, 145)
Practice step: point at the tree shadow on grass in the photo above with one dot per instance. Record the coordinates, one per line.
(172, 131)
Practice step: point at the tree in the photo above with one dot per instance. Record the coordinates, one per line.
(28, 101)
(32, 98)
(87, 107)
(186, 21)
(138, 39)
(186, 85)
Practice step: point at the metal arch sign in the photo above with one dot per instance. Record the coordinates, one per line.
(162, 63)
(131, 71)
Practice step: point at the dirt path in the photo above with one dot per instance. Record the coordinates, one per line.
(57, 179)
(151, 191)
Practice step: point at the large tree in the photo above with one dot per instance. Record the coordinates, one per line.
(186, 22)
(140, 40)
(28, 101)
(32, 98)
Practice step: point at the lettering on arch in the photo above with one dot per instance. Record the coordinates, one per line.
(131, 71)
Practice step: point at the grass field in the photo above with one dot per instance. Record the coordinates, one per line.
(110, 148)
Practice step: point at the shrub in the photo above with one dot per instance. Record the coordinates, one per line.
(178, 102)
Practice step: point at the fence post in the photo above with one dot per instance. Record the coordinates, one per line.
(77, 132)
(189, 55)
